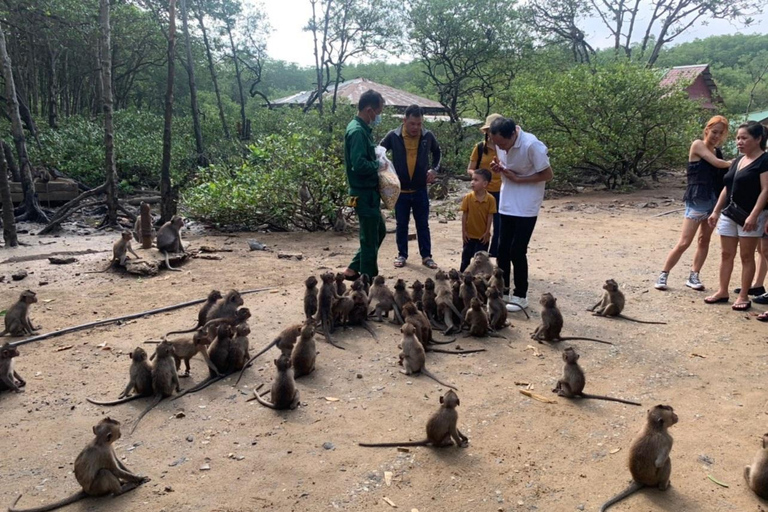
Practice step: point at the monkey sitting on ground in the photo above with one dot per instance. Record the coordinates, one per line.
(467, 292)
(164, 378)
(413, 357)
(612, 304)
(17, 321)
(310, 297)
(481, 286)
(358, 315)
(169, 239)
(325, 306)
(341, 288)
(424, 333)
(481, 265)
(442, 427)
(304, 353)
(284, 394)
(552, 323)
(756, 474)
(97, 469)
(10, 380)
(139, 379)
(401, 294)
(284, 341)
(417, 296)
(648, 458)
(497, 310)
(477, 319)
(382, 301)
(445, 304)
(429, 304)
(571, 385)
(340, 310)
(202, 316)
(456, 280)
(497, 280)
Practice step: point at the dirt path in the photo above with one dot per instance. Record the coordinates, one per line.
(709, 363)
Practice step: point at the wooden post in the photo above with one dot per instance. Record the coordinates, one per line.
(146, 227)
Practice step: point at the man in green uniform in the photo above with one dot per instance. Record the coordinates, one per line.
(363, 177)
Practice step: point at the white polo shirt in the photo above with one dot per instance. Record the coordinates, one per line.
(528, 156)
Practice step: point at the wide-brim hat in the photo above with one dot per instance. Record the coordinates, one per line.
(488, 120)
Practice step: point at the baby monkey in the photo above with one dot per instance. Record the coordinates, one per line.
(612, 304)
(442, 429)
(571, 385)
(552, 323)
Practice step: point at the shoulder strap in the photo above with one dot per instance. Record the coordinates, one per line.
(480, 150)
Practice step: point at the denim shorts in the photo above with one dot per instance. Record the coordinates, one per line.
(728, 227)
(699, 210)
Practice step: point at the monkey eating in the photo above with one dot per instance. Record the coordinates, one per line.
(648, 458)
(612, 304)
(164, 378)
(442, 427)
(283, 394)
(552, 323)
(756, 474)
(168, 239)
(97, 469)
(17, 321)
(413, 357)
(202, 316)
(10, 380)
(139, 380)
(571, 385)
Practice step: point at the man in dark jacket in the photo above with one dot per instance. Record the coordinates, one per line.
(412, 146)
(363, 176)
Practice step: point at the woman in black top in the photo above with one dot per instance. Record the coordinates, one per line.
(706, 168)
(742, 204)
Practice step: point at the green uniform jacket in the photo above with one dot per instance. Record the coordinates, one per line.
(362, 167)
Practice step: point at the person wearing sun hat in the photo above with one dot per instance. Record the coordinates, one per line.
(482, 156)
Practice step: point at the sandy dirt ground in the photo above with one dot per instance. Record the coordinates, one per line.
(224, 454)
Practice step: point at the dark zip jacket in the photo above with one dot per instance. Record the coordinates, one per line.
(393, 141)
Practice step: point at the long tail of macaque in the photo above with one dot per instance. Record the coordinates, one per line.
(53, 506)
(425, 442)
(633, 488)
(116, 402)
(610, 399)
(158, 398)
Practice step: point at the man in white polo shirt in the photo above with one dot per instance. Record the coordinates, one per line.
(524, 166)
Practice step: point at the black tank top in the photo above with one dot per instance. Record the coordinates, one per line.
(705, 181)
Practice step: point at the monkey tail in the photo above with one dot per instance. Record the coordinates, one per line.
(254, 358)
(168, 263)
(434, 378)
(437, 325)
(441, 342)
(459, 352)
(633, 488)
(182, 332)
(398, 313)
(155, 401)
(263, 402)
(425, 442)
(609, 398)
(368, 328)
(116, 402)
(207, 382)
(53, 506)
(568, 338)
(640, 321)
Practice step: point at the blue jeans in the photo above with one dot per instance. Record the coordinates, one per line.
(417, 201)
(494, 251)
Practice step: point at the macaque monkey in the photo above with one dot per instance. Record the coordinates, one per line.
(612, 304)
(17, 321)
(169, 239)
(10, 380)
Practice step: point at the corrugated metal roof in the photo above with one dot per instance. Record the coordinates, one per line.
(758, 116)
(686, 74)
(351, 90)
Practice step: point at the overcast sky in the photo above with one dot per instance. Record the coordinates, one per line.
(290, 43)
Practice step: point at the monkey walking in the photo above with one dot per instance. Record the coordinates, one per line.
(283, 394)
(202, 316)
(139, 380)
(17, 321)
(10, 380)
(648, 458)
(612, 304)
(756, 474)
(552, 323)
(164, 378)
(97, 469)
(169, 239)
(413, 357)
(442, 429)
(571, 385)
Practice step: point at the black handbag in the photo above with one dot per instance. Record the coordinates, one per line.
(736, 213)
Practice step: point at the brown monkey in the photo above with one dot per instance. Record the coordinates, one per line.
(17, 321)
(442, 427)
(481, 286)
(552, 323)
(284, 341)
(139, 379)
(9, 377)
(366, 284)
(164, 378)
(612, 304)
(413, 356)
(497, 280)
(341, 309)
(219, 353)
(341, 288)
(325, 307)
(497, 310)
(429, 304)
(456, 280)
(571, 385)
(185, 349)
(169, 239)
(467, 292)
(417, 296)
(41, 175)
(382, 301)
(310, 297)
(238, 355)
(401, 294)
(756, 475)
(97, 469)
(305, 352)
(358, 315)
(481, 265)
(120, 250)
(202, 315)
(477, 319)
(648, 459)
(445, 305)
(284, 394)
(226, 307)
(241, 316)
(424, 332)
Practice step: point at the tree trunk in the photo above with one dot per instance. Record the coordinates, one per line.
(106, 87)
(10, 162)
(212, 69)
(53, 110)
(168, 203)
(32, 211)
(9, 223)
(201, 159)
(238, 75)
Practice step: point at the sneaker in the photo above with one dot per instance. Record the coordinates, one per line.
(761, 299)
(520, 302)
(692, 282)
(661, 282)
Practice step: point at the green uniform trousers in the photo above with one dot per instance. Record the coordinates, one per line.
(372, 233)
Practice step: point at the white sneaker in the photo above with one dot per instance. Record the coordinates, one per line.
(520, 302)
(661, 282)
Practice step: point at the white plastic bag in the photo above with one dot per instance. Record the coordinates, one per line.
(389, 183)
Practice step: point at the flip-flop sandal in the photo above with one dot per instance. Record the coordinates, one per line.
(718, 300)
(763, 317)
(429, 263)
(742, 306)
(399, 262)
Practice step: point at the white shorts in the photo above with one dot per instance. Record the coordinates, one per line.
(728, 227)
